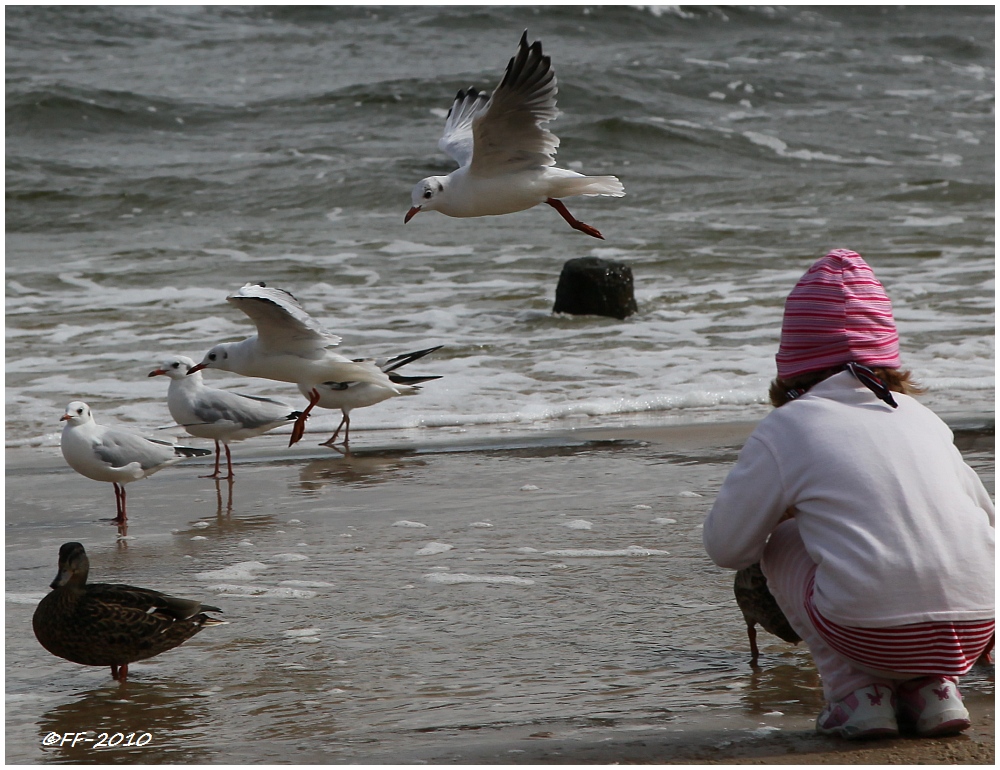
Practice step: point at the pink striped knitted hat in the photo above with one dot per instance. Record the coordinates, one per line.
(837, 312)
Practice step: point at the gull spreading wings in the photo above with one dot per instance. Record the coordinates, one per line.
(282, 323)
(505, 153)
(290, 346)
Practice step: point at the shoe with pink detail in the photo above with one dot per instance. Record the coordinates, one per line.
(933, 706)
(869, 712)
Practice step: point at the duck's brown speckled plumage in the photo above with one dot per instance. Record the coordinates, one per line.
(759, 608)
(104, 624)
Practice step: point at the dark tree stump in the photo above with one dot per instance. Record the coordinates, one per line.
(593, 286)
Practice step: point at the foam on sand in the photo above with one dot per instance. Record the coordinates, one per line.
(244, 570)
(454, 578)
(632, 550)
(433, 548)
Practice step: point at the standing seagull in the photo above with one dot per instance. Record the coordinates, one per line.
(109, 454)
(110, 624)
(505, 157)
(218, 414)
(346, 396)
(289, 346)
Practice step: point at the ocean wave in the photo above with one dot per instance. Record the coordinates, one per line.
(160, 158)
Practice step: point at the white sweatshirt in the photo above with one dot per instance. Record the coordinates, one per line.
(901, 529)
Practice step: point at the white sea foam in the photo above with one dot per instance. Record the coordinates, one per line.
(453, 578)
(288, 557)
(243, 571)
(413, 524)
(238, 590)
(578, 524)
(632, 550)
(265, 592)
(295, 632)
(433, 548)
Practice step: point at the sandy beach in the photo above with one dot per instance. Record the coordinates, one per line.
(435, 597)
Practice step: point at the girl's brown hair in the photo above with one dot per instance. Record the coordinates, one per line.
(896, 380)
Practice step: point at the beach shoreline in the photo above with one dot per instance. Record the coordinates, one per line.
(389, 477)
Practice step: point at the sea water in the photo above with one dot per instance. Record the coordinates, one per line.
(159, 158)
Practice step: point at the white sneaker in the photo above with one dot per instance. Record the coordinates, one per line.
(869, 712)
(933, 705)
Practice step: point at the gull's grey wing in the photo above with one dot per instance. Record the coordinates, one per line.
(282, 324)
(507, 132)
(119, 448)
(246, 411)
(456, 140)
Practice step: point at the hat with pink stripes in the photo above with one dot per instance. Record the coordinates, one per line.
(838, 312)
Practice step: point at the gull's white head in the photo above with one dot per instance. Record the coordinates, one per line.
(77, 413)
(175, 367)
(426, 196)
(216, 358)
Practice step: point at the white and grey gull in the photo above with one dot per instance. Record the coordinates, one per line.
(290, 346)
(114, 455)
(505, 154)
(217, 414)
(346, 396)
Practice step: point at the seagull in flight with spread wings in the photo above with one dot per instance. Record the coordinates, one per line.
(505, 155)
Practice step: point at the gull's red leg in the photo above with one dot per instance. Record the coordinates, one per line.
(119, 503)
(229, 462)
(575, 223)
(215, 474)
(333, 438)
(300, 424)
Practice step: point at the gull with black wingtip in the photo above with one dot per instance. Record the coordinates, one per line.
(218, 414)
(346, 396)
(289, 346)
(505, 155)
(110, 454)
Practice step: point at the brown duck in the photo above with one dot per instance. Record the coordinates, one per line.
(759, 607)
(105, 624)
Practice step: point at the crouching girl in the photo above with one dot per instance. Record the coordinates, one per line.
(876, 538)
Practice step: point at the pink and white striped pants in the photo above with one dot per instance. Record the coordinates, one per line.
(848, 658)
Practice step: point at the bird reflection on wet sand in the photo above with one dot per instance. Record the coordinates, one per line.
(361, 469)
(162, 709)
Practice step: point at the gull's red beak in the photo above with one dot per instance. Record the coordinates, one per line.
(66, 417)
(155, 372)
(196, 368)
(411, 213)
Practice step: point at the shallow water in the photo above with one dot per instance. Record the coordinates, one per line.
(389, 605)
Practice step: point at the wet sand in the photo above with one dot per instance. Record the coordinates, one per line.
(720, 741)
(739, 717)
